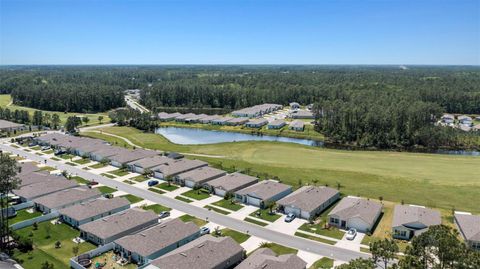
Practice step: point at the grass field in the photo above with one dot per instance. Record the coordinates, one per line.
(5, 100)
(237, 236)
(106, 189)
(228, 205)
(156, 208)
(322, 263)
(197, 221)
(218, 210)
(434, 180)
(196, 194)
(132, 198)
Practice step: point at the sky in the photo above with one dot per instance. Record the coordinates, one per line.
(426, 32)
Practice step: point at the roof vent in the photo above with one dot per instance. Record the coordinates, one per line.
(183, 254)
(201, 245)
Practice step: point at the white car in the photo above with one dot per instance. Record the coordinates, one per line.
(204, 230)
(351, 234)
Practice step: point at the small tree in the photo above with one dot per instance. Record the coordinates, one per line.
(100, 119)
(381, 199)
(383, 250)
(85, 120)
(75, 251)
(169, 180)
(314, 181)
(35, 226)
(339, 185)
(104, 161)
(300, 183)
(270, 205)
(58, 244)
(147, 172)
(47, 265)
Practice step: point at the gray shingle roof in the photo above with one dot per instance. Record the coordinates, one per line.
(201, 174)
(45, 187)
(93, 208)
(204, 253)
(352, 207)
(132, 155)
(112, 225)
(8, 124)
(297, 124)
(27, 167)
(308, 198)
(278, 122)
(257, 121)
(232, 181)
(158, 237)
(264, 190)
(265, 258)
(178, 166)
(469, 226)
(406, 214)
(35, 177)
(150, 162)
(67, 196)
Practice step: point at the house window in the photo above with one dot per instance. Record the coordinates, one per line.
(334, 220)
(401, 233)
(476, 245)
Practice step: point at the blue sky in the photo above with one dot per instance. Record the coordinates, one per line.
(240, 32)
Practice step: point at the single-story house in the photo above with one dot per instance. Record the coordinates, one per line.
(237, 121)
(195, 118)
(355, 212)
(176, 167)
(308, 201)
(139, 166)
(469, 227)
(153, 242)
(65, 198)
(35, 177)
(221, 120)
(267, 258)
(87, 145)
(26, 168)
(208, 119)
(294, 105)
(108, 229)
(105, 152)
(276, 124)
(263, 192)
(301, 114)
(256, 111)
(183, 117)
(411, 220)
(448, 118)
(197, 177)
(297, 125)
(52, 139)
(206, 252)
(8, 126)
(130, 156)
(230, 183)
(85, 212)
(163, 116)
(466, 120)
(35, 190)
(256, 123)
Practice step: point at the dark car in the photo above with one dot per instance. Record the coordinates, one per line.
(164, 214)
(152, 183)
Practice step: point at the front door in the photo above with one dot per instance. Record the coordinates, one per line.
(343, 224)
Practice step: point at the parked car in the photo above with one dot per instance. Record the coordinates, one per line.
(164, 214)
(32, 144)
(351, 234)
(59, 152)
(204, 230)
(45, 148)
(92, 183)
(152, 183)
(108, 195)
(290, 217)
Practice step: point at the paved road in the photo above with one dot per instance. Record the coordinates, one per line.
(135, 105)
(241, 226)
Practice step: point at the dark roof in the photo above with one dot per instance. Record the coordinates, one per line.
(63, 197)
(264, 190)
(403, 215)
(356, 207)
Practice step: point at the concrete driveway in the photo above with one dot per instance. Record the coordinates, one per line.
(354, 244)
(286, 227)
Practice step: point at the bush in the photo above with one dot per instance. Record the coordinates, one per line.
(25, 245)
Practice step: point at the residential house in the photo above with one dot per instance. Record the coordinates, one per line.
(276, 124)
(195, 118)
(105, 152)
(297, 125)
(197, 177)
(129, 156)
(301, 114)
(163, 116)
(448, 118)
(35, 177)
(206, 252)
(411, 220)
(308, 201)
(256, 123)
(265, 258)
(139, 166)
(65, 198)
(85, 212)
(153, 242)
(176, 167)
(208, 119)
(26, 168)
(256, 111)
(262, 193)
(230, 183)
(8, 126)
(465, 120)
(237, 121)
(469, 227)
(294, 105)
(476, 128)
(355, 212)
(108, 229)
(183, 117)
(221, 120)
(51, 185)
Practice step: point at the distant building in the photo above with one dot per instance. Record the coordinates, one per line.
(230, 183)
(256, 111)
(409, 220)
(276, 124)
(301, 114)
(163, 116)
(139, 166)
(466, 120)
(297, 125)
(237, 121)
(256, 123)
(448, 118)
(8, 126)
(294, 105)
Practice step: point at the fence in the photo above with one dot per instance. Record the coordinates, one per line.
(26, 223)
(23, 205)
(92, 253)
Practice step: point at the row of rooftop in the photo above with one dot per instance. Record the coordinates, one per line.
(465, 123)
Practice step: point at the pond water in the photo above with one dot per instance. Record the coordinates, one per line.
(191, 136)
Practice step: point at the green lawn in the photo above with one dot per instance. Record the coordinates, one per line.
(67, 156)
(254, 221)
(119, 172)
(311, 237)
(47, 168)
(180, 198)
(108, 175)
(98, 165)
(156, 208)
(319, 229)
(449, 180)
(218, 210)
(322, 263)
(265, 215)
(80, 180)
(35, 148)
(72, 164)
(197, 221)
(24, 215)
(165, 186)
(50, 151)
(106, 189)
(55, 159)
(129, 182)
(228, 205)
(237, 236)
(82, 161)
(139, 178)
(132, 198)
(159, 191)
(196, 194)
(279, 249)
(44, 241)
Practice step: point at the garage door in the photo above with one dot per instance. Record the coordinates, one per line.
(253, 201)
(189, 183)
(220, 192)
(138, 170)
